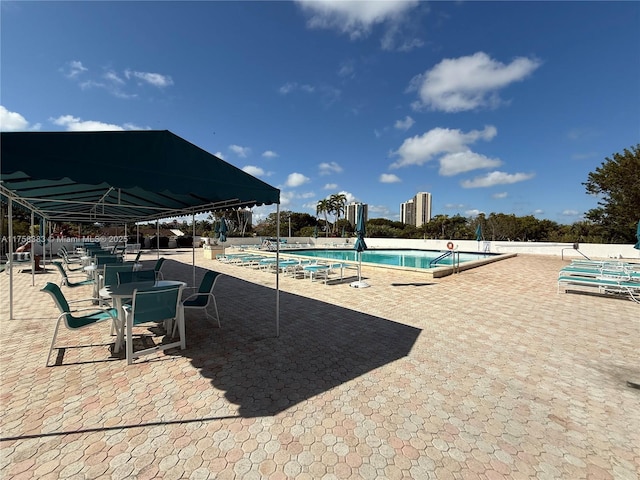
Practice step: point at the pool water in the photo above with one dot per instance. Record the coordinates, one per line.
(400, 258)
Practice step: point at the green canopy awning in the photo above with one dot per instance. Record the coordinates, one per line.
(121, 176)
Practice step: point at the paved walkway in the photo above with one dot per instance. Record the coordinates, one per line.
(483, 375)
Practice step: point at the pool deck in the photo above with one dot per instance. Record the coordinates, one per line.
(487, 374)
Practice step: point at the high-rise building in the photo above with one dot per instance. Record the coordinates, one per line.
(416, 211)
(352, 212)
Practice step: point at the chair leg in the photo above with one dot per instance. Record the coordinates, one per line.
(180, 322)
(215, 304)
(53, 340)
(129, 339)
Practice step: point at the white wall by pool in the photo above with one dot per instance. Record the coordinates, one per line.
(565, 250)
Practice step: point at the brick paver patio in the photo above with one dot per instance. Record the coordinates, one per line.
(483, 375)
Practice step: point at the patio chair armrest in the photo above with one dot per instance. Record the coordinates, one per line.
(188, 288)
(89, 299)
(196, 295)
(106, 310)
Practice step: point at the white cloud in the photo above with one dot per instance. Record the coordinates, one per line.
(538, 211)
(112, 81)
(468, 83)
(133, 126)
(74, 68)
(327, 168)
(348, 195)
(75, 124)
(355, 19)
(497, 178)
(287, 88)
(422, 148)
(455, 163)
(330, 186)
(219, 155)
(389, 42)
(296, 179)
(347, 69)
(286, 198)
(500, 195)
(293, 86)
(389, 178)
(381, 211)
(113, 77)
(474, 212)
(327, 94)
(155, 79)
(242, 152)
(13, 121)
(269, 154)
(570, 213)
(253, 170)
(405, 124)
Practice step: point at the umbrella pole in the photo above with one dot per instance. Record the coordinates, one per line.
(359, 283)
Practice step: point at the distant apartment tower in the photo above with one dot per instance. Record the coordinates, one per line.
(416, 211)
(352, 212)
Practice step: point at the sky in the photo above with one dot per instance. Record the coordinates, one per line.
(498, 107)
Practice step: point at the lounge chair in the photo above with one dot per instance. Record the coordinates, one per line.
(610, 270)
(604, 284)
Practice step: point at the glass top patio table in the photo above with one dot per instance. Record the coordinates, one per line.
(124, 291)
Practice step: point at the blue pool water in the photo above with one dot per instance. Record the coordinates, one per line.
(400, 257)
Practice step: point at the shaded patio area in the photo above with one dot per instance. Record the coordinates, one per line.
(485, 374)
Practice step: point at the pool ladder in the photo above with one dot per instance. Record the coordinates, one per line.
(449, 253)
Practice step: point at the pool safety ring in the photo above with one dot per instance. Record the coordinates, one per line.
(450, 245)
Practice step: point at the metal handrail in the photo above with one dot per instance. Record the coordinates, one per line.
(436, 260)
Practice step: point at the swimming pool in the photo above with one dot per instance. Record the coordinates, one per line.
(408, 258)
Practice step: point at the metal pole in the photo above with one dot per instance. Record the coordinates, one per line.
(278, 270)
(193, 246)
(10, 258)
(157, 239)
(33, 252)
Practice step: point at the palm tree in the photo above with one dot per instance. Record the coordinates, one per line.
(324, 207)
(338, 202)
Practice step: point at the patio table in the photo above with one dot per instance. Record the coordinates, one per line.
(124, 291)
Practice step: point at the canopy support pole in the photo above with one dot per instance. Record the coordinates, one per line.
(278, 270)
(45, 237)
(157, 239)
(10, 257)
(32, 250)
(193, 246)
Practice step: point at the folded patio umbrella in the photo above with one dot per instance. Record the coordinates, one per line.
(360, 246)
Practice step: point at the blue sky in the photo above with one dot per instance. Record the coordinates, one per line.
(490, 106)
